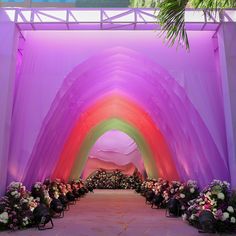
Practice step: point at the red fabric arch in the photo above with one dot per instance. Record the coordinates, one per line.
(121, 107)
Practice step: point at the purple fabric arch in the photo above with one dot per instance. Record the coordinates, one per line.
(135, 76)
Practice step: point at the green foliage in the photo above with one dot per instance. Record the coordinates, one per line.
(213, 4)
(171, 18)
(144, 3)
(171, 15)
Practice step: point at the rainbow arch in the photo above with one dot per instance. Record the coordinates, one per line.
(117, 107)
(136, 80)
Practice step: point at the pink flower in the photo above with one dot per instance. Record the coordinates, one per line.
(218, 214)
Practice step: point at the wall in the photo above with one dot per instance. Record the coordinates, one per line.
(227, 54)
(8, 54)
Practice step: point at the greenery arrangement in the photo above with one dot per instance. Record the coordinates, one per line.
(171, 15)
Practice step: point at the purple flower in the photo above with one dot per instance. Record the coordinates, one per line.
(218, 214)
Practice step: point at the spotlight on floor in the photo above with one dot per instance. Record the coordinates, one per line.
(173, 208)
(57, 208)
(42, 217)
(206, 222)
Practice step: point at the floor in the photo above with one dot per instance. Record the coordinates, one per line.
(113, 212)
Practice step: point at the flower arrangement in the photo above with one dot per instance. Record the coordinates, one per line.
(217, 199)
(40, 192)
(171, 191)
(158, 188)
(113, 179)
(186, 192)
(17, 207)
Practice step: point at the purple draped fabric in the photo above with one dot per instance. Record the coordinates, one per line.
(184, 100)
(125, 71)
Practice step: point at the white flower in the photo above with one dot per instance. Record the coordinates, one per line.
(182, 195)
(172, 190)
(230, 209)
(25, 200)
(213, 202)
(192, 217)
(208, 194)
(225, 216)
(25, 221)
(37, 185)
(15, 185)
(192, 190)
(184, 217)
(56, 195)
(14, 193)
(233, 220)
(226, 183)
(181, 188)
(17, 195)
(30, 199)
(4, 217)
(221, 196)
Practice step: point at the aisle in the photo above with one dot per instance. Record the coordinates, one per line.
(113, 212)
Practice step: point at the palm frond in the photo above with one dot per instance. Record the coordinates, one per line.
(171, 19)
(144, 3)
(213, 4)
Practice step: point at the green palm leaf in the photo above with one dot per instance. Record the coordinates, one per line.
(171, 17)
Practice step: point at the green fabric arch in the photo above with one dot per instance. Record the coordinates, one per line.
(98, 131)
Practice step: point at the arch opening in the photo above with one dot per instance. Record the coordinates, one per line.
(114, 150)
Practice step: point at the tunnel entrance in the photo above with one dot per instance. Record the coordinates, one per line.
(114, 162)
